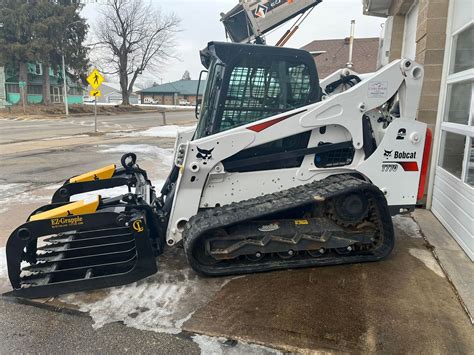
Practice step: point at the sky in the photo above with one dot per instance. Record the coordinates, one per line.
(200, 24)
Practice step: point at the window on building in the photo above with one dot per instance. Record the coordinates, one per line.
(12, 88)
(457, 131)
(464, 52)
(35, 89)
(77, 91)
(38, 69)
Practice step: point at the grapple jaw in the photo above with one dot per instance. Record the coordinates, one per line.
(80, 252)
(70, 247)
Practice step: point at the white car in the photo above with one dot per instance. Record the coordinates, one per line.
(87, 99)
(150, 100)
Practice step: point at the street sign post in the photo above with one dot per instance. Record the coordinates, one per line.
(95, 79)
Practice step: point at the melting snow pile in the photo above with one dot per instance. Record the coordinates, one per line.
(163, 155)
(8, 190)
(162, 303)
(11, 194)
(170, 131)
(407, 225)
(217, 346)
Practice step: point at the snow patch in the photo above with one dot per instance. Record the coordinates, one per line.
(218, 346)
(22, 198)
(7, 190)
(141, 305)
(163, 155)
(407, 225)
(428, 259)
(162, 302)
(170, 131)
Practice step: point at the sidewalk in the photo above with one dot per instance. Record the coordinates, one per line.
(455, 263)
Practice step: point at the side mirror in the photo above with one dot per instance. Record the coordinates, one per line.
(198, 107)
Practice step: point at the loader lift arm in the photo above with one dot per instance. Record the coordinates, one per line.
(250, 20)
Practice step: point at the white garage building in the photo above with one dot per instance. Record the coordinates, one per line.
(440, 35)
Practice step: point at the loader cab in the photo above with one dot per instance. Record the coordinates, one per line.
(248, 82)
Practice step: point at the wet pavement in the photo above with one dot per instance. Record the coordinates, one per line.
(26, 329)
(403, 304)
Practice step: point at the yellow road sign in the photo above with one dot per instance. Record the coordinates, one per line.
(95, 93)
(95, 79)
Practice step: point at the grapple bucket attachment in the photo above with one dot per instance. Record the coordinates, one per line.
(68, 252)
(68, 247)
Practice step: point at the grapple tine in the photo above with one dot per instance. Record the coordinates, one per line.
(82, 252)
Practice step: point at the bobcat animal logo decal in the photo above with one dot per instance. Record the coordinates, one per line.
(388, 153)
(204, 155)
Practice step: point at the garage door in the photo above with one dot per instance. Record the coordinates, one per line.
(453, 192)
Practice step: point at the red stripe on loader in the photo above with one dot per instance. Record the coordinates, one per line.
(261, 126)
(424, 164)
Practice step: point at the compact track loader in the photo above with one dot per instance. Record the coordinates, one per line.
(282, 171)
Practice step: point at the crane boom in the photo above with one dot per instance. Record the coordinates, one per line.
(250, 20)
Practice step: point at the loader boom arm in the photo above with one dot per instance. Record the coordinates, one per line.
(250, 20)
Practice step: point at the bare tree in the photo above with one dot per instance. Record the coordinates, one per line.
(133, 36)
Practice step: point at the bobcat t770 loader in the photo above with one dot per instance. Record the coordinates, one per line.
(282, 171)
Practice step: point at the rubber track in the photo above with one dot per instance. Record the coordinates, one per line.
(256, 208)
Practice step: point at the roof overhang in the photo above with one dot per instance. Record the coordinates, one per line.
(377, 8)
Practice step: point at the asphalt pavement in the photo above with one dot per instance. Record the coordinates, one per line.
(28, 329)
(14, 130)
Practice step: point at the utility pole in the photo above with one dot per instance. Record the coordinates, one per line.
(64, 88)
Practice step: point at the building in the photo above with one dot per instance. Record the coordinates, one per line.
(181, 92)
(333, 54)
(439, 34)
(34, 88)
(111, 93)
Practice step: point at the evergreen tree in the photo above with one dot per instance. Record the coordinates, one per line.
(15, 36)
(43, 30)
(186, 75)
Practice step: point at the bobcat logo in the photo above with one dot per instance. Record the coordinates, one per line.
(388, 153)
(204, 155)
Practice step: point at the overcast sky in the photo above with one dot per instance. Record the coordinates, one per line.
(200, 23)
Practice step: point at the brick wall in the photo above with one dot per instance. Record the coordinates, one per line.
(430, 42)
